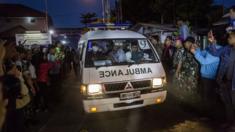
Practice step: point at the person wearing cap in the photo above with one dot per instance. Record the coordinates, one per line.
(190, 68)
(177, 64)
(178, 57)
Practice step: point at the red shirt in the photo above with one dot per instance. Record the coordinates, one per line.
(43, 72)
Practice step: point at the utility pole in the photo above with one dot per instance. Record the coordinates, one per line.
(46, 23)
(121, 13)
(103, 12)
(174, 11)
(119, 10)
(106, 10)
(223, 6)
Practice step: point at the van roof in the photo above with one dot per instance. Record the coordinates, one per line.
(108, 34)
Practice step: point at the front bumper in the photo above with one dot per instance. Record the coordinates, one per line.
(115, 104)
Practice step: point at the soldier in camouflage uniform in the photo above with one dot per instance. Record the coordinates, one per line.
(190, 70)
(177, 63)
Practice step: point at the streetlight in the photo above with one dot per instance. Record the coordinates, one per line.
(63, 42)
(51, 31)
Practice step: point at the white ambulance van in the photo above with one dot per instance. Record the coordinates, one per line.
(119, 70)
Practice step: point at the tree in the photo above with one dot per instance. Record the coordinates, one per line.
(137, 11)
(166, 11)
(159, 7)
(215, 14)
(194, 10)
(88, 18)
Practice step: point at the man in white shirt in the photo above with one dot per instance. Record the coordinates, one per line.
(117, 54)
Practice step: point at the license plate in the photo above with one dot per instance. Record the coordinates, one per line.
(131, 95)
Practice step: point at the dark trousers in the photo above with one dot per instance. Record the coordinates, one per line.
(14, 121)
(227, 95)
(210, 98)
(43, 94)
(75, 68)
(208, 90)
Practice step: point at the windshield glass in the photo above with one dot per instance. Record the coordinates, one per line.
(114, 52)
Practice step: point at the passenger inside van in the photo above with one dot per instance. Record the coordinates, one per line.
(94, 53)
(135, 55)
(117, 54)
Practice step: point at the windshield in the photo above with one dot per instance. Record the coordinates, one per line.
(114, 52)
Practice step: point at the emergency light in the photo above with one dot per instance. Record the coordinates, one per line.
(106, 26)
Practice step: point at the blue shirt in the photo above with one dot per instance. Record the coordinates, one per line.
(184, 31)
(224, 54)
(209, 63)
(217, 50)
(232, 22)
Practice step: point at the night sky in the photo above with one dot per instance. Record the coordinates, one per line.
(66, 13)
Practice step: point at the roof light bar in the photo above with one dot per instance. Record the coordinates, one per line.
(97, 26)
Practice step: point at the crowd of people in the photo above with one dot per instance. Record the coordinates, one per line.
(27, 75)
(26, 78)
(208, 72)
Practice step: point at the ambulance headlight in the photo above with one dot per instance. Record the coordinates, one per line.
(94, 89)
(157, 82)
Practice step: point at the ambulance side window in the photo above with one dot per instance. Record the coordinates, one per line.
(81, 51)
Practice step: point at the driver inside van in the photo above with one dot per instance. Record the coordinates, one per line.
(94, 53)
(135, 55)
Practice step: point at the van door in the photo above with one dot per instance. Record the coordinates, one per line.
(81, 60)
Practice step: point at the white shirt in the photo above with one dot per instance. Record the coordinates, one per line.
(32, 71)
(119, 56)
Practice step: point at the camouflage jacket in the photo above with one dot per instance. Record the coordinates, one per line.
(190, 66)
(178, 57)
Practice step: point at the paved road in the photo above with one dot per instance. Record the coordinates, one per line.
(167, 117)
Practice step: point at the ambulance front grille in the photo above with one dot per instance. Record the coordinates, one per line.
(121, 86)
(141, 84)
(115, 87)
